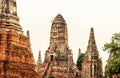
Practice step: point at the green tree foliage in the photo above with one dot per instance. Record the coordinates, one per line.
(113, 47)
(51, 77)
(79, 61)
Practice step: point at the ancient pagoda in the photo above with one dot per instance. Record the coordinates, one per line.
(92, 63)
(16, 58)
(58, 60)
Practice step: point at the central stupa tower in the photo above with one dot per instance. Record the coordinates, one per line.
(59, 58)
(59, 34)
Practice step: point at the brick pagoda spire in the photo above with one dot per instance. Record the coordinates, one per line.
(92, 64)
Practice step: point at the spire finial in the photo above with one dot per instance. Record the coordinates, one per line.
(92, 30)
(39, 56)
(39, 62)
(91, 43)
(28, 33)
(79, 52)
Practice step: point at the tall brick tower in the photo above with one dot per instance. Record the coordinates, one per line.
(16, 58)
(8, 12)
(92, 64)
(59, 34)
(59, 58)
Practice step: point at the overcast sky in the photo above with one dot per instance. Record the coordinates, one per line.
(80, 15)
